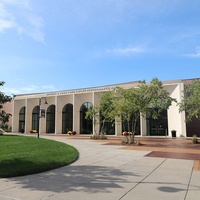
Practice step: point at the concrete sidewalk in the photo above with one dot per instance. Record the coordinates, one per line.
(107, 172)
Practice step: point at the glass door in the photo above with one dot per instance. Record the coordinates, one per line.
(158, 127)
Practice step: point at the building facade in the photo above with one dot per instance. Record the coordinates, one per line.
(66, 110)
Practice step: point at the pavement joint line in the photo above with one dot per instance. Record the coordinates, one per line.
(8, 189)
(48, 197)
(107, 158)
(143, 179)
(9, 197)
(188, 184)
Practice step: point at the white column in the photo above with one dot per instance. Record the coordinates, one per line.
(143, 126)
(176, 120)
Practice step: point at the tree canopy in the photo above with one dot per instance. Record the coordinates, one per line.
(191, 100)
(129, 103)
(4, 117)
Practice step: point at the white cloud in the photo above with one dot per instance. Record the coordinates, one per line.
(6, 24)
(196, 54)
(35, 28)
(21, 3)
(19, 15)
(126, 51)
(30, 88)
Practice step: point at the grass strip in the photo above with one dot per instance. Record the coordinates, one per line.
(22, 155)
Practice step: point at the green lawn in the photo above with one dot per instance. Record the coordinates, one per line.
(22, 155)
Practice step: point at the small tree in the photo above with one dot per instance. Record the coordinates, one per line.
(103, 112)
(144, 99)
(191, 100)
(107, 108)
(93, 114)
(4, 117)
(158, 98)
(131, 104)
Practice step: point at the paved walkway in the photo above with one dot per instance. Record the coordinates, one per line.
(108, 172)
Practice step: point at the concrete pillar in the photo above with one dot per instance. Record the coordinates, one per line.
(176, 120)
(143, 125)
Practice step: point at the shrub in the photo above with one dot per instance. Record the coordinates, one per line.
(127, 140)
(194, 139)
(103, 137)
(94, 136)
(33, 131)
(138, 143)
(126, 133)
(71, 132)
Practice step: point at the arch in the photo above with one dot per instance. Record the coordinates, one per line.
(22, 115)
(67, 118)
(50, 119)
(35, 118)
(85, 124)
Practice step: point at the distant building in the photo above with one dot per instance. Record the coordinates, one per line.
(66, 110)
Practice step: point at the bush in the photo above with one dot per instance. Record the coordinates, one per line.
(33, 131)
(71, 132)
(97, 137)
(194, 139)
(127, 140)
(103, 137)
(94, 136)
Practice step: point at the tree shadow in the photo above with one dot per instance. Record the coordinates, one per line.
(84, 178)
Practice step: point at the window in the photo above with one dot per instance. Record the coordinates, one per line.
(50, 119)
(107, 127)
(159, 126)
(22, 119)
(85, 124)
(35, 118)
(67, 118)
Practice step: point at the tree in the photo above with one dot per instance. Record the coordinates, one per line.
(4, 117)
(107, 108)
(159, 99)
(130, 103)
(191, 100)
(93, 114)
(101, 113)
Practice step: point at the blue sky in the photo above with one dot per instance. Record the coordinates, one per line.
(49, 45)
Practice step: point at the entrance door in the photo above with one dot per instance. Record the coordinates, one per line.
(158, 127)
